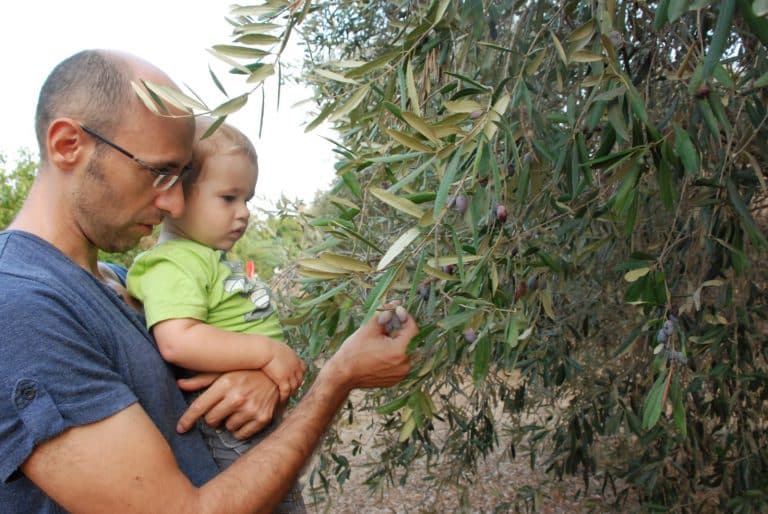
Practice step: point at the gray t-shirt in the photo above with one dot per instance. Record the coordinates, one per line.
(73, 353)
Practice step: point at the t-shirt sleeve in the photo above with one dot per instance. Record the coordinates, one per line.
(55, 373)
(171, 283)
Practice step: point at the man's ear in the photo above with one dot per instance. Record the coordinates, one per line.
(66, 144)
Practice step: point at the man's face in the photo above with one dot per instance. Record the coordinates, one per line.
(114, 201)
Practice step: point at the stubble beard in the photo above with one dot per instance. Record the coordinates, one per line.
(92, 206)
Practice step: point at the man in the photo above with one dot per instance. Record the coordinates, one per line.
(88, 410)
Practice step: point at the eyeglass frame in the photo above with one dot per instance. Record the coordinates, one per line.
(160, 173)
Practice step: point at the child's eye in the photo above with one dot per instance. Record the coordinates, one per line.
(228, 198)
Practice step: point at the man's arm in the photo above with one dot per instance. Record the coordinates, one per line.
(123, 464)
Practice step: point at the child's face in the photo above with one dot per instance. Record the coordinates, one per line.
(215, 212)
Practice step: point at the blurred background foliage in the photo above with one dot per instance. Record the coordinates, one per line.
(570, 197)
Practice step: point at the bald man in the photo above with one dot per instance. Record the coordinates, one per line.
(91, 419)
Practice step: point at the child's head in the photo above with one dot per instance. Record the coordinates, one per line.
(218, 188)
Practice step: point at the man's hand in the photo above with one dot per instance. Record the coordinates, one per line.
(247, 400)
(371, 358)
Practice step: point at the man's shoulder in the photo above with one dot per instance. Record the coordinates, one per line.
(26, 256)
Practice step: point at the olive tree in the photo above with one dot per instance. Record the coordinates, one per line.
(570, 197)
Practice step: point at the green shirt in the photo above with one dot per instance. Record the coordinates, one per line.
(184, 279)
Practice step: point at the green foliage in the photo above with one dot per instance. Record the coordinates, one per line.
(610, 159)
(14, 185)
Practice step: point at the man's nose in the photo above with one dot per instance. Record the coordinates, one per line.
(171, 201)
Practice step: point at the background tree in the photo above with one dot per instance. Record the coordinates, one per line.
(14, 185)
(571, 199)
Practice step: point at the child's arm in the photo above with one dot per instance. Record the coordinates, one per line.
(192, 344)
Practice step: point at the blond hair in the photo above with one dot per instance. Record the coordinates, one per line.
(225, 140)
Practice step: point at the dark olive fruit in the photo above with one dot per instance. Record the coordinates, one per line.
(449, 268)
(532, 283)
(424, 290)
(501, 213)
(475, 114)
(703, 91)
(470, 335)
(460, 204)
(393, 325)
(661, 336)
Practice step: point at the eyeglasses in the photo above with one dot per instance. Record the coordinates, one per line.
(165, 178)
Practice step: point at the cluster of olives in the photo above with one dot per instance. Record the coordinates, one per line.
(393, 319)
(665, 331)
(460, 203)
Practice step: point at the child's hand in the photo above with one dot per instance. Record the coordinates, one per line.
(285, 369)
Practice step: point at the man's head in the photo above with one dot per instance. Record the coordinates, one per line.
(102, 150)
(218, 188)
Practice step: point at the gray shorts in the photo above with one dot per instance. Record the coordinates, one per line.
(226, 449)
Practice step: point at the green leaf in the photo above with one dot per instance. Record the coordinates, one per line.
(718, 42)
(338, 77)
(678, 413)
(396, 404)
(585, 56)
(662, 15)
(761, 81)
(421, 126)
(664, 179)
(230, 106)
(345, 262)
(215, 125)
(747, 221)
(373, 65)
(261, 73)
(327, 110)
(456, 320)
(559, 48)
(633, 275)
(353, 101)
(446, 182)
(240, 52)
(350, 180)
(401, 204)
(323, 297)
(677, 8)
(257, 39)
(413, 95)
(400, 244)
(375, 295)
(462, 106)
(686, 151)
(408, 141)
(655, 401)
(482, 356)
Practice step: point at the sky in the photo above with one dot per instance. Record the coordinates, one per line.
(174, 35)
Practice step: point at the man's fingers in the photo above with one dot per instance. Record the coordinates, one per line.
(249, 429)
(196, 410)
(197, 382)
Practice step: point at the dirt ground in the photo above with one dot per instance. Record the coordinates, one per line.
(501, 484)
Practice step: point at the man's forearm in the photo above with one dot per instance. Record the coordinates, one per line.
(264, 475)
